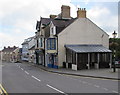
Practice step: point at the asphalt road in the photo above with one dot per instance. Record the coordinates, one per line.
(26, 78)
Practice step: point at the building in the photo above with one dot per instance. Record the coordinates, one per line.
(20, 55)
(10, 54)
(40, 40)
(25, 49)
(75, 43)
(31, 50)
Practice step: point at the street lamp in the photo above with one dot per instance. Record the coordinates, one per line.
(114, 36)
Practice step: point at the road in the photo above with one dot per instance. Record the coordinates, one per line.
(26, 78)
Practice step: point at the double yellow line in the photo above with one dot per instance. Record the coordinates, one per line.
(2, 90)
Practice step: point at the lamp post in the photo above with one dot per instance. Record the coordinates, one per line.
(114, 36)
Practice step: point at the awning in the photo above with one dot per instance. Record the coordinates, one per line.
(88, 48)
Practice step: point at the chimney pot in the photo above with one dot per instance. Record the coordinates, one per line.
(81, 13)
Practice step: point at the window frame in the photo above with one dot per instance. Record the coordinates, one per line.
(51, 42)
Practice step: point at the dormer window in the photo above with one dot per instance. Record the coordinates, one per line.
(53, 31)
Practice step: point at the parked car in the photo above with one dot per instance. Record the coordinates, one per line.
(117, 64)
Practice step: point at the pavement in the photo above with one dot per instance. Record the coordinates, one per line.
(106, 73)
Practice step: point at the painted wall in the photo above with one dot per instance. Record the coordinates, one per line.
(81, 31)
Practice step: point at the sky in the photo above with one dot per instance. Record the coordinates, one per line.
(18, 17)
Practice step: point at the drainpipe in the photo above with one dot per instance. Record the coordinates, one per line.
(44, 51)
(57, 48)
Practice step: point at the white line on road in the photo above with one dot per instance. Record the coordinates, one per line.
(114, 91)
(26, 72)
(55, 89)
(105, 89)
(36, 78)
(21, 68)
(97, 86)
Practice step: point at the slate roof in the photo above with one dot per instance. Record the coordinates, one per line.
(45, 21)
(59, 23)
(62, 24)
(9, 49)
(88, 48)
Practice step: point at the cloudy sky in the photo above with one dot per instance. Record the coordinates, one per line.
(18, 17)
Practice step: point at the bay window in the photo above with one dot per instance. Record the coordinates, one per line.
(51, 44)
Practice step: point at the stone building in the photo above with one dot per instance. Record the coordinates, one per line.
(10, 54)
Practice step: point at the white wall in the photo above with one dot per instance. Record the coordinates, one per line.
(81, 31)
(31, 43)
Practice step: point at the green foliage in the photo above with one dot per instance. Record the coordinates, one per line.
(115, 44)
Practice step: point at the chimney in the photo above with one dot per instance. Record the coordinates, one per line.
(53, 16)
(4, 47)
(14, 47)
(81, 13)
(65, 11)
(9, 47)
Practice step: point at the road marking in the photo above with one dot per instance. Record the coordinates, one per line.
(26, 72)
(105, 89)
(21, 68)
(56, 89)
(97, 86)
(36, 78)
(114, 91)
(2, 89)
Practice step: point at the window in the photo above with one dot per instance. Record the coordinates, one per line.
(37, 43)
(51, 44)
(41, 44)
(52, 31)
(48, 44)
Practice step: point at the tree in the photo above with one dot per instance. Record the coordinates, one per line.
(115, 44)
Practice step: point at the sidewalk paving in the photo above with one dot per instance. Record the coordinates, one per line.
(106, 73)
